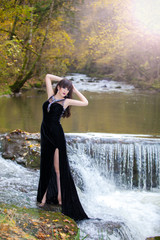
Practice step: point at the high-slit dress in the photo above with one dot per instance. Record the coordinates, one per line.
(52, 137)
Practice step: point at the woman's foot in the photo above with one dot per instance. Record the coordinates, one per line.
(59, 200)
(43, 202)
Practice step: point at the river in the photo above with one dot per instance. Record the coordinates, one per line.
(116, 168)
(113, 108)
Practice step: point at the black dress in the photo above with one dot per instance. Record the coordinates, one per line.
(52, 137)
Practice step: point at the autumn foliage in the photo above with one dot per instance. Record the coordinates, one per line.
(98, 37)
(22, 223)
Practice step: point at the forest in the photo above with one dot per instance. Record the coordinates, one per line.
(115, 39)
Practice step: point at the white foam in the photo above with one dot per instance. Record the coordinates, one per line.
(84, 83)
(138, 210)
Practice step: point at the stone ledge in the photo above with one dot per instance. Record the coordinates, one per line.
(22, 147)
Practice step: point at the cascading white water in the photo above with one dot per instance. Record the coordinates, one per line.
(119, 204)
(18, 185)
(129, 161)
(125, 213)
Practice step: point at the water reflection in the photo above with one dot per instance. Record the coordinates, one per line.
(116, 112)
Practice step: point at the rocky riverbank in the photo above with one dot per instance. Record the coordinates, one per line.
(22, 147)
(22, 223)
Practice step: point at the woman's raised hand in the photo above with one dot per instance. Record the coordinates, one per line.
(48, 79)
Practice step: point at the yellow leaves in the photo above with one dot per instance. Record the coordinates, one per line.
(8, 138)
(4, 227)
(55, 220)
(41, 235)
(13, 221)
(44, 227)
(27, 236)
(5, 210)
(35, 223)
(63, 235)
(25, 224)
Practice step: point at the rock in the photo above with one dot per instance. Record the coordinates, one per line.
(23, 223)
(153, 238)
(22, 147)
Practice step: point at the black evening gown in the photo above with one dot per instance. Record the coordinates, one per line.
(52, 137)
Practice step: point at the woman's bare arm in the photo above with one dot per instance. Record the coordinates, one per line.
(71, 102)
(49, 79)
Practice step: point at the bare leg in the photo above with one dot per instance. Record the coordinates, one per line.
(56, 167)
(43, 200)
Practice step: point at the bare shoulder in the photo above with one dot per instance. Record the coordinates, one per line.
(66, 103)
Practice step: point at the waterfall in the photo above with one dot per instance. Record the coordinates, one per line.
(129, 161)
(117, 178)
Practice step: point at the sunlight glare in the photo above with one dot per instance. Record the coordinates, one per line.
(147, 13)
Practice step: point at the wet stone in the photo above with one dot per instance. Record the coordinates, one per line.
(22, 147)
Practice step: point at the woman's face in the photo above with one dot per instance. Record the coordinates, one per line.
(63, 91)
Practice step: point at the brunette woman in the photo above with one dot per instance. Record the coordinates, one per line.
(56, 184)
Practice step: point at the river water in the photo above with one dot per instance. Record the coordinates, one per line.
(117, 171)
(113, 108)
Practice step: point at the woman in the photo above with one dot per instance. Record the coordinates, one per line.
(56, 184)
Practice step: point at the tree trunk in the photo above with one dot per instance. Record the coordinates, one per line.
(23, 77)
(14, 24)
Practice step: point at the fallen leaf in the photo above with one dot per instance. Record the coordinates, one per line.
(35, 223)
(62, 234)
(66, 220)
(71, 232)
(66, 226)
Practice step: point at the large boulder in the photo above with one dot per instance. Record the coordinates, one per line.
(22, 147)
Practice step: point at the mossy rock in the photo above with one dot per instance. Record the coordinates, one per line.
(23, 223)
(153, 238)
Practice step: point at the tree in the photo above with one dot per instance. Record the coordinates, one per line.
(112, 43)
(26, 39)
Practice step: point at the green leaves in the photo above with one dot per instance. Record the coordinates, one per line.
(33, 40)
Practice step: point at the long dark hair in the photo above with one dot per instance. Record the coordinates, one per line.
(65, 83)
